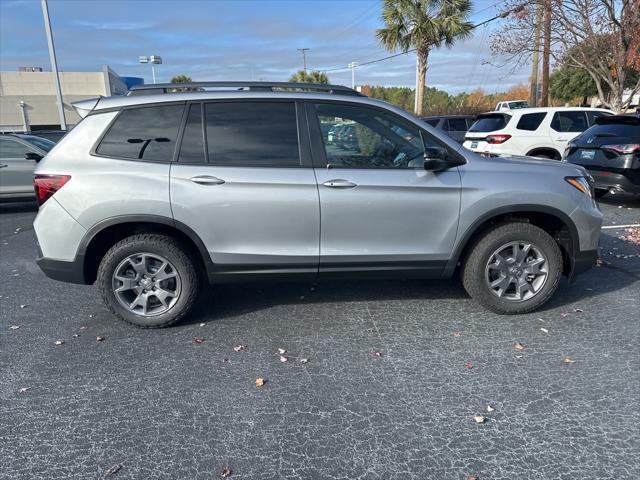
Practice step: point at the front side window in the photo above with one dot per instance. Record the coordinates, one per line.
(144, 133)
(12, 149)
(370, 138)
(571, 121)
(252, 134)
(530, 121)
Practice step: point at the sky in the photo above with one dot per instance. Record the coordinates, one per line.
(240, 40)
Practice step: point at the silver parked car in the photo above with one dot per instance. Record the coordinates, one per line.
(152, 193)
(19, 154)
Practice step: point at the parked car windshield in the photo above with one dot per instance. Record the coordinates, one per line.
(514, 105)
(41, 143)
(490, 122)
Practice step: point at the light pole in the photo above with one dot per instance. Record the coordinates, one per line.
(353, 66)
(153, 60)
(54, 64)
(304, 57)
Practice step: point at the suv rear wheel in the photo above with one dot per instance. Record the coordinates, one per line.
(513, 268)
(148, 280)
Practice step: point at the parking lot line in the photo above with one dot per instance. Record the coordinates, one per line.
(613, 227)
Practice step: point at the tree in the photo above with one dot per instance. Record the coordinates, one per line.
(569, 83)
(181, 79)
(302, 76)
(597, 36)
(423, 25)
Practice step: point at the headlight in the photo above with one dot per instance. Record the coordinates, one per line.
(580, 183)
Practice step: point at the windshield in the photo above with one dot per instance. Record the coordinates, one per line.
(41, 143)
(490, 123)
(515, 105)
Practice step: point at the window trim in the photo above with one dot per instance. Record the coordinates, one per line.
(317, 145)
(93, 152)
(303, 144)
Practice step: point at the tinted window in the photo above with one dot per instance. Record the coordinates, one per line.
(530, 121)
(593, 115)
(12, 148)
(252, 133)
(41, 143)
(457, 125)
(569, 121)
(374, 139)
(433, 121)
(192, 147)
(490, 123)
(147, 133)
(515, 105)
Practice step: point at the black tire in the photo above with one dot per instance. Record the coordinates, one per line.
(600, 192)
(475, 263)
(156, 244)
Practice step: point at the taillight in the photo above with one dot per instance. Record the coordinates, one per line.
(46, 185)
(623, 149)
(497, 139)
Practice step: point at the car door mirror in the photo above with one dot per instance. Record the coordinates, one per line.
(36, 157)
(436, 159)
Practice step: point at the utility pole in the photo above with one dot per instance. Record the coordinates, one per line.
(353, 66)
(535, 66)
(304, 57)
(54, 64)
(546, 51)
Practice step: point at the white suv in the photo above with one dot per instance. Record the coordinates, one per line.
(537, 132)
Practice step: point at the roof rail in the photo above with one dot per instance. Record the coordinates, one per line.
(250, 86)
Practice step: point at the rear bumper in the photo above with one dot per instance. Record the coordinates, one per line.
(582, 261)
(71, 272)
(613, 181)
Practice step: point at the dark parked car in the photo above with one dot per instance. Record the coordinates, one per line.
(610, 151)
(455, 126)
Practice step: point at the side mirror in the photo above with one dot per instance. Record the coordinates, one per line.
(36, 157)
(436, 159)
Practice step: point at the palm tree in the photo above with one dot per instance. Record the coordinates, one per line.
(302, 76)
(423, 25)
(181, 79)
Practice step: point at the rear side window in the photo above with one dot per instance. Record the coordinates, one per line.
(575, 121)
(192, 147)
(530, 121)
(457, 125)
(145, 133)
(252, 133)
(490, 123)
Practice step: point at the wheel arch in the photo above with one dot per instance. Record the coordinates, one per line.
(545, 150)
(106, 233)
(553, 221)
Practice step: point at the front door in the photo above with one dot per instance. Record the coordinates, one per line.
(16, 172)
(242, 185)
(381, 210)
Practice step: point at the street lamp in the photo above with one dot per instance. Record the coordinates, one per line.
(353, 66)
(153, 60)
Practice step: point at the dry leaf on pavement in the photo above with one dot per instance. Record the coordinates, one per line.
(14, 327)
(24, 389)
(58, 342)
(490, 408)
(112, 470)
(260, 382)
(239, 348)
(198, 340)
(457, 333)
(99, 339)
(202, 324)
(375, 353)
(568, 360)
(542, 329)
(282, 351)
(304, 360)
(226, 472)
(519, 346)
(472, 477)
(479, 419)
(469, 365)
(283, 359)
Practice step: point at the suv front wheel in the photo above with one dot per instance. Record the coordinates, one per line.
(513, 268)
(148, 280)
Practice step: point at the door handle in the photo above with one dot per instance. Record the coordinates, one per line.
(3, 165)
(339, 183)
(207, 180)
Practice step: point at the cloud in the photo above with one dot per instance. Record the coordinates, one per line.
(114, 25)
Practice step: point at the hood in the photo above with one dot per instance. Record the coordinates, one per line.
(524, 163)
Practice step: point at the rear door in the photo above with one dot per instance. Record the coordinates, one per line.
(380, 210)
(16, 172)
(565, 125)
(243, 182)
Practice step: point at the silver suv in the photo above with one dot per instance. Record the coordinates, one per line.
(154, 193)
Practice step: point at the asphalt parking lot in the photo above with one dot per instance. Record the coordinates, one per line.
(396, 372)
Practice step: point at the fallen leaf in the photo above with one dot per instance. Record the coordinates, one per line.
(260, 382)
(75, 335)
(202, 324)
(578, 310)
(225, 360)
(99, 339)
(83, 328)
(472, 477)
(24, 389)
(479, 419)
(568, 360)
(198, 340)
(112, 470)
(542, 329)
(239, 348)
(91, 315)
(490, 408)
(283, 359)
(519, 356)
(469, 365)
(519, 346)
(58, 342)
(24, 306)
(376, 353)
(226, 472)
(282, 351)
(304, 360)
(563, 315)
(14, 327)
(457, 333)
